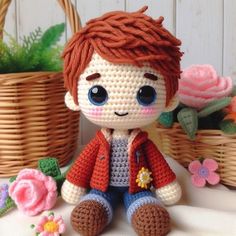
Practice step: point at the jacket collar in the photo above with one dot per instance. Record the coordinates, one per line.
(136, 137)
(107, 133)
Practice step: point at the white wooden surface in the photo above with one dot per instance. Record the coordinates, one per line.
(199, 24)
(207, 28)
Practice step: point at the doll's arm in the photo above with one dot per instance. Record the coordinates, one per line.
(79, 175)
(72, 193)
(164, 179)
(169, 194)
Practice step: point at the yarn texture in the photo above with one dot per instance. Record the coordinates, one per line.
(119, 166)
(72, 193)
(124, 38)
(41, 189)
(121, 70)
(89, 218)
(170, 194)
(122, 83)
(200, 85)
(151, 220)
(96, 174)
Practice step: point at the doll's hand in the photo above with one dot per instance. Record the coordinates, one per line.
(169, 194)
(72, 193)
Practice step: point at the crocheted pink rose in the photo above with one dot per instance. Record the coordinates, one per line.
(33, 192)
(204, 172)
(199, 85)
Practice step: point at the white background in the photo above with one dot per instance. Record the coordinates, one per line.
(207, 28)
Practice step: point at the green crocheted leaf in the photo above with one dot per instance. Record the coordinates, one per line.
(228, 126)
(9, 204)
(188, 120)
(214, 106)
(12, 179)
(166, 119)
(50, 167)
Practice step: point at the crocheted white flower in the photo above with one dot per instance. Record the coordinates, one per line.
(144, 178)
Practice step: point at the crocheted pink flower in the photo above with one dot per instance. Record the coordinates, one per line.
(33, 192)
(50, 226)
(200, 84)
(204, 172)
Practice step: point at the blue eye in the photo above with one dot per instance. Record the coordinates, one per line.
(146, 95)
(97, 95)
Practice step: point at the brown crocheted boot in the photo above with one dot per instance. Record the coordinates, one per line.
(151, 220)
(89, 218)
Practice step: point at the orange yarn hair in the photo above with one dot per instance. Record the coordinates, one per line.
(127, 38)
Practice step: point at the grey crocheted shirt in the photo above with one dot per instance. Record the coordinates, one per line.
(119, 165)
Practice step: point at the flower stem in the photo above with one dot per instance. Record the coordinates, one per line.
(9, 204)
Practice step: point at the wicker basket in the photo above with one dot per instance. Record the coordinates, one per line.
(34, 122)
(209, 143)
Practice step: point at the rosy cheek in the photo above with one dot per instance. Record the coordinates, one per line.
(95, 112)
(147, 111)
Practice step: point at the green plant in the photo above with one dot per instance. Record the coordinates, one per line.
(214, 106)
(166, 119)
(37, 52)
(190, 119)
(228, 126)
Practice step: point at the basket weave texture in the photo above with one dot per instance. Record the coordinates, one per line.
(208, 143)
(34, 121)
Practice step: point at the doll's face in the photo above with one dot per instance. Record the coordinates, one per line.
(119, 96)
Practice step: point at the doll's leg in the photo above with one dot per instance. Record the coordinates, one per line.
(146, 214)
(94, 212)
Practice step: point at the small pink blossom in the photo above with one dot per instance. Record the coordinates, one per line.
(200, 85)
(33, 192)
(50, 226)
(204, 172)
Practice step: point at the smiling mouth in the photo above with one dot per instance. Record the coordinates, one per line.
(122, 114)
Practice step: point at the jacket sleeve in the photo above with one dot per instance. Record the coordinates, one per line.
(81, 171)
(161, 172)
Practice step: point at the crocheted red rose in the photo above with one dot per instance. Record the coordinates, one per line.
(33, 192)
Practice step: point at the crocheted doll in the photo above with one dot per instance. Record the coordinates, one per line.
(122, 72)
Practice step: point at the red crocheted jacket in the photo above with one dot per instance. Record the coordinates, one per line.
(91, 169)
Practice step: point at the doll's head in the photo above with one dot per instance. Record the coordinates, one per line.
(122, 70)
